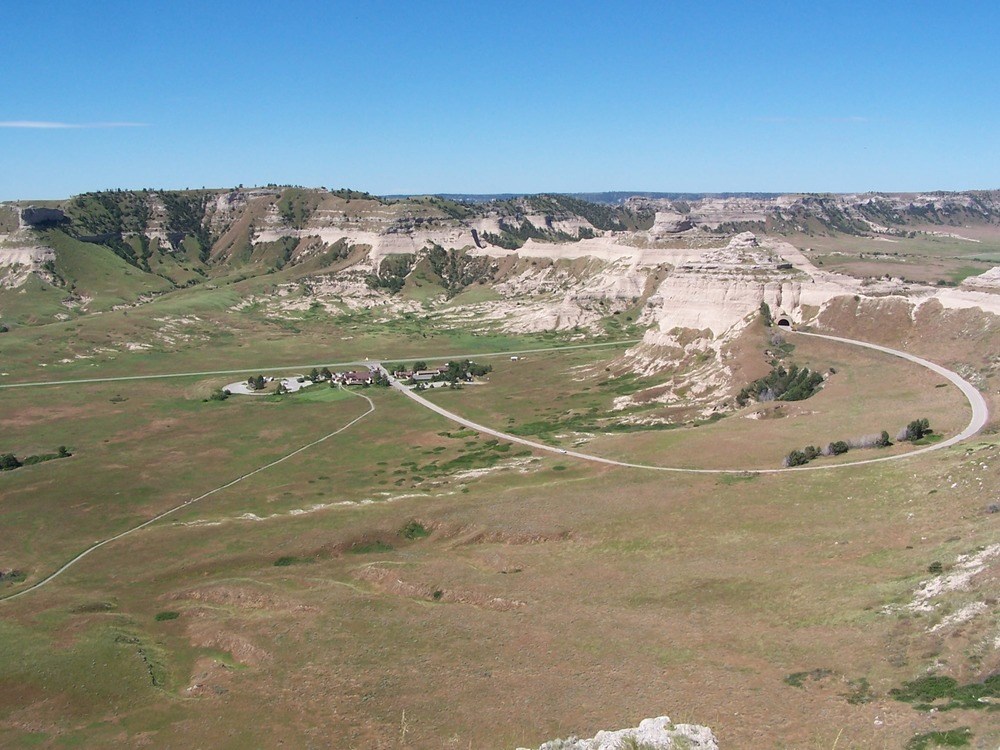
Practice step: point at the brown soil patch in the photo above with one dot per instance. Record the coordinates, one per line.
(242, 648)
(35, 415)
(237, 596)
(391, 581)
(472, 534)
(209, 678)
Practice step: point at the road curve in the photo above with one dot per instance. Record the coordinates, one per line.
(980, 411)
(980, 414)
(97, 545)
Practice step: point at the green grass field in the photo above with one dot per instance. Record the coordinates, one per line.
(542, 595)
(930, 257)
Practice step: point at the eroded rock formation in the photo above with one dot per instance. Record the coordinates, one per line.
(651, 734)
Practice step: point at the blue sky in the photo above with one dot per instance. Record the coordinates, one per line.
(396, 97)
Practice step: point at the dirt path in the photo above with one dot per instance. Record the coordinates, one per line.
(980, 414)
(192, 501)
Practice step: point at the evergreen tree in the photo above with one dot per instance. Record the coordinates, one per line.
(8, 462)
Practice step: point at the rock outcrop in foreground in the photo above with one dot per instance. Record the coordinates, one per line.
(651, 734)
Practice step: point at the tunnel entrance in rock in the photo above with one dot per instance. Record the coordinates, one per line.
(784, 322)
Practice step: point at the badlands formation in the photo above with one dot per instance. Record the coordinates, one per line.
(682, 281)
(688, 272)
(711, 285)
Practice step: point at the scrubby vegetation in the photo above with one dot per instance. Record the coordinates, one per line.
(765, 314)
(414, 530)
(513, 236)
(798, 679)
(457, 269)
(793, 384)
(860, 692)
(12, 576)
(370, 548)
(958, 737)
(109, 212)
(105, 217)
(392, 272)
(464, 370)
(286, 560)
(9, 462)
(836, 448)
(454, 371)
(941, 693)
(296, 205)
(915, 430)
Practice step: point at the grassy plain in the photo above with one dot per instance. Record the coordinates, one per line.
(550, 596)
(935, 255)
(567, 399)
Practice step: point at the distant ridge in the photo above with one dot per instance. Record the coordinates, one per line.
(611, 197)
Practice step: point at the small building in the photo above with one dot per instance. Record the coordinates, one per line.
(360, 377)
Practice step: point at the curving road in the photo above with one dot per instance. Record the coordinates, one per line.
(186, 503)
(980, 414)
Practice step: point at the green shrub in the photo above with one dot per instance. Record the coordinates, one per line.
(797, 679)
(13, 576)
(371, 547)
(926, 693)
(796, 458)
(793, 384)
(765, 315)
(414, 530)
(958, 737)
(392, 272)
(168, 615)
(838, 448)
(9, 462)
(861, 692)
(916, 430)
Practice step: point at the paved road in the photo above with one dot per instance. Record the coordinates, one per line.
(980, 411)
(186, 503)
(287, 368)
(980, 414)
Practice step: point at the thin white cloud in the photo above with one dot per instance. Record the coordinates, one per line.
(49, 125)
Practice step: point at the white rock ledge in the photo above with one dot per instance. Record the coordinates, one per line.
(651, 734)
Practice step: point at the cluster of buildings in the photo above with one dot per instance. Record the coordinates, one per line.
(355, 377)
(426, 376)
